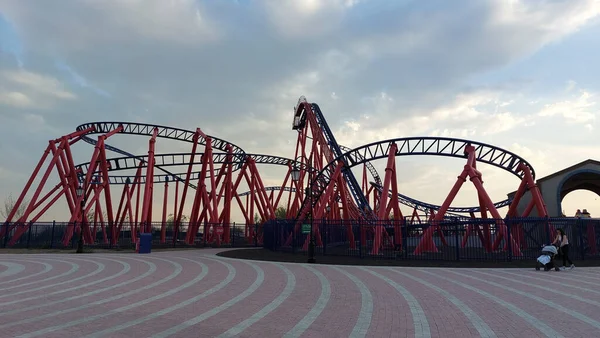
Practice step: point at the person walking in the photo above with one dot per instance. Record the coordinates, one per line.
(562, 241)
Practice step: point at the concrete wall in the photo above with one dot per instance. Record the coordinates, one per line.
(523, 204)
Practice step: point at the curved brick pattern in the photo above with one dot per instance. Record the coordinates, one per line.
(196, 293)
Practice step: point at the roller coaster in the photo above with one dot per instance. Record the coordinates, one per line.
(221, 179)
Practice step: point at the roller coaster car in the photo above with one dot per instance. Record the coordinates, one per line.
(299, 115)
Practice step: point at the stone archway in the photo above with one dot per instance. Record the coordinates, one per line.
(581, 179)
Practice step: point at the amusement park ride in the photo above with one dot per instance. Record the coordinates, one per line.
(319, 184)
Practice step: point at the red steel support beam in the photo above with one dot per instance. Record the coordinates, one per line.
(148, 187)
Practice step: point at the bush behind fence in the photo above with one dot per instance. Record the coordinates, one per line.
(530, 234)
(49, 235)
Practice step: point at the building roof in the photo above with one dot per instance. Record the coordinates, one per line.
(571, 168)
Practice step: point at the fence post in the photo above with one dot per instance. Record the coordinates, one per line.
(6, 232)
(404, 231)
(52, 235)
(509, 236)
(579, 227)
(457, 241)
(293, 238)
(232, 236)
(360, 240)
(29, 234)
(548, 237)
(74, 237)
(255, 235)
(324, 236)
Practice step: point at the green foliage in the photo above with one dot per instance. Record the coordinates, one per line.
(280, 213)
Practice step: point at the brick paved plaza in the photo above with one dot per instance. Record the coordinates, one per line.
(197, 294)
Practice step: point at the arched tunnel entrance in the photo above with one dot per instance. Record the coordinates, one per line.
(582, 179)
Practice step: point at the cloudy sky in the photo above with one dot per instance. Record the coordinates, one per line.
(522, 75)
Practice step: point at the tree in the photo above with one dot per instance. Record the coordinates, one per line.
(171, 219)
(9, 204)
(170, 224)
(281, 213)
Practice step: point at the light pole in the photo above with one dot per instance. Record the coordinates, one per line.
(295, 173)
(311, 243)
(79, 191)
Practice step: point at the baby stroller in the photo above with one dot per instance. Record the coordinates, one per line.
(546, 260)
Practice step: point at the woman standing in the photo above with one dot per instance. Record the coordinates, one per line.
(562, 241)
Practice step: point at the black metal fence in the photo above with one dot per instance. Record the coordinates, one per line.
(49, 235)
(462, 240)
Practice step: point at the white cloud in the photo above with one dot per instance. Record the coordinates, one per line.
(306, 18)
(539, 159)
(354, 126)
(15, 99)
(551, 20)
(580, 109)
(25, 89)
(468, 115)
(39, 83)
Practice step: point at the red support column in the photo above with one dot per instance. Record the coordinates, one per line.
(387, 182)
(395, 206)
(469, 170)
(146, 216)
(228, 185)
(426, 244)
(179, 215)
(163, 227)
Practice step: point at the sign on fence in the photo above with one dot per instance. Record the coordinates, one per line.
(219, 230)
(306, 228)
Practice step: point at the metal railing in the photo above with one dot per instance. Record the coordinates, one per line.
(50, 235)
(454, 241)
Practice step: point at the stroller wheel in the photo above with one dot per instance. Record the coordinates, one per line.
(556, 269)
(537, 268)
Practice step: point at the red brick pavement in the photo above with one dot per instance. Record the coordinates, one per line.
(195, 293)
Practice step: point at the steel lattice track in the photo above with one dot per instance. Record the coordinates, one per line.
(177, 159)
(436, 146)
(433, 146)
(143, 129)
